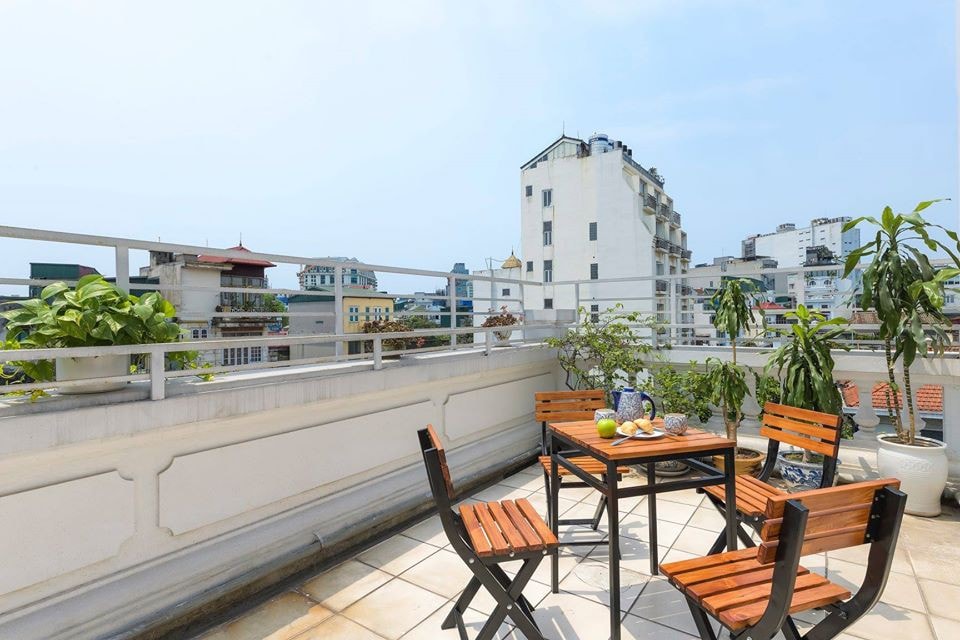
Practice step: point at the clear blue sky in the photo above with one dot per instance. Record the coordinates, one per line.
(394, 131)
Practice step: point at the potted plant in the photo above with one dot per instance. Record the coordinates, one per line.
(733, 305)
(804, 365)
(389, 344)
(603, 351)
(907, 293)
(502, 319)
(95, 313)
(678, 392)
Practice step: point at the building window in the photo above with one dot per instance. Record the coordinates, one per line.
(548, 270)
(593, 231)
(594, 313)
(366, 314)
(529, 266)
(548, 197)
(548, 303)
(199, 334)
(529, 190)
(505, 292)
(354, 314)
(547, 233)
(594, 271)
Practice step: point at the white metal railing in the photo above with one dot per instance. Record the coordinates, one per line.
(677, 306)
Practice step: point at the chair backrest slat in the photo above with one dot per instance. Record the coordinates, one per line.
(434, 441)
(803, 428)
(839, 517)
(567, 406)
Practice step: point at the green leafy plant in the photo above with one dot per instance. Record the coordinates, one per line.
(388, 326)
(680, 391)
(765, 389)
(733, 303)
(728, 389)
(804, 364)
(908, 295)
(603, 351)
(95, 313)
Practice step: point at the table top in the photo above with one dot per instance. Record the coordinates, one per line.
(584, 434)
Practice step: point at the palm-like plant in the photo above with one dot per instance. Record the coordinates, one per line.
(907, 293)
(733, 303)
(804, 363)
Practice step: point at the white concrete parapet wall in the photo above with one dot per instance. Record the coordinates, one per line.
(115, 513)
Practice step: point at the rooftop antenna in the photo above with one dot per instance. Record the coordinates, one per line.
(563, 128)
(241, 238)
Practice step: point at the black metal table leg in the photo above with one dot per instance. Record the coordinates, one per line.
(730, 495)
(554, 514)
(652, 521)
(613, 519)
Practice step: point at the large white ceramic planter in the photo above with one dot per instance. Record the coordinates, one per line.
(922, 472)
(92, 367)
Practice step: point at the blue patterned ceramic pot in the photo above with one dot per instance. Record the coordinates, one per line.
(675, 423)
(631, 406)
(796, 473)
(602, 414)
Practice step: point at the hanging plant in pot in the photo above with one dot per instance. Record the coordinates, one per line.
(502, 319)
(733, 305)
(907, 293)
(804, 365)
(95, 313)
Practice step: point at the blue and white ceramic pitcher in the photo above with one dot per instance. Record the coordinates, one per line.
(629, 405)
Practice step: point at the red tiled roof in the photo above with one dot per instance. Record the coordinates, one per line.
(929, 397)
(248, 261)
(770, 306)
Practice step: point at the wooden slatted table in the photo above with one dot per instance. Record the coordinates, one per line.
(581, 438)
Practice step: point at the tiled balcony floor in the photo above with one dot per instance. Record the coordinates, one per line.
(405, 586)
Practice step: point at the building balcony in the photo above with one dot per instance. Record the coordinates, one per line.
(675, 219)
(675, 249)
(685, 254)
(661, 244)
(650, 203)
(267, 501)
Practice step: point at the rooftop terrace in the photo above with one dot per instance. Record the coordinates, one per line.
(245, 506)
(404, 586)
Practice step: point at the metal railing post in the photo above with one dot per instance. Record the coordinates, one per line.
(487, 342)
(377, 352)
(123, 267)
(452, 296)
(338, 308)
(157, 377)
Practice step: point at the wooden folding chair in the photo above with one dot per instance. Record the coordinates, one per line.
(809, 430)
(753, 592)
(569, 406)
(485, 535)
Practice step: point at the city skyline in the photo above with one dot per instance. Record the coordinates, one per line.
(412, 156)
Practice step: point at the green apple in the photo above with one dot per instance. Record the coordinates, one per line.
(607, 428)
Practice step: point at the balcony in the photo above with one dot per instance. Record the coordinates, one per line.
(675, 219)
(650, 202)
(175, 499)
(661, 244)
(685, 254)
(675, 249)
(663, 212)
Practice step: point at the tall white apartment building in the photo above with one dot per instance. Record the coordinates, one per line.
(589, 211)
(788, 244)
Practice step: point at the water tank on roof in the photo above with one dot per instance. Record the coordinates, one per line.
(600, 143)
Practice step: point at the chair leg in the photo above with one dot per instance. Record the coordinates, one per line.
(789, 629)
(546, 486)
(507, 594)
(701, 620)
(462, 603)
(598, 513)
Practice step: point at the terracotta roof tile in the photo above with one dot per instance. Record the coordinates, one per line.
(929, 396)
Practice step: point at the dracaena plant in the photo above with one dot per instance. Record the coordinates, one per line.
(804, 363)
(94, 313)
(733, 305)
(907, 293)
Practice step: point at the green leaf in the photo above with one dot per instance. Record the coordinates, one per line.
(52, 290)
